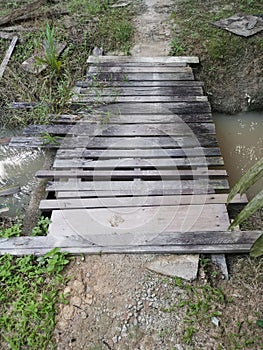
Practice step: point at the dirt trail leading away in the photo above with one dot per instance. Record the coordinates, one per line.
(153, 29)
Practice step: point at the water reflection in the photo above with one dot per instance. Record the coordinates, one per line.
(241, 141)
(17, 168)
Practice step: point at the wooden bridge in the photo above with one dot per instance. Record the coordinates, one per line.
(138, 167)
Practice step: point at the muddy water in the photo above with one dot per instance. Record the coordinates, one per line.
(241, 141)
(17, 168)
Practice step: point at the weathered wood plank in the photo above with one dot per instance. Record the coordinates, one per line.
(144, 91)
(149, 83)
(122, 130)
(97, 175)
(136, 153)
(139, 201)
(125, 226)
(7, 56)
(141, 187)
(206, 140)
(138, 69)
(90, 83)
(157, 163)
(155, 108)
(132, 118)
(132, 59)
(81, 98)
(127, 77)
(227, 242)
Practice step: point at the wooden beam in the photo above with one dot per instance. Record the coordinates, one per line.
(7, 56)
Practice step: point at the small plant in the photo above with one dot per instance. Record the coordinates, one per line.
(13, 231)
(41, 229)
(176, 48)
(50, 55)
(49, 139)
(246, 181)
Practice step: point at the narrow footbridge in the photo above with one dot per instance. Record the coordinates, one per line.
(137, 168)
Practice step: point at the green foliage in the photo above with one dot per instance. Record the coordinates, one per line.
(13, 231)
(49, 139)
(50, 55)
(176, 48)
(29, 292)
(246, 181)
(41, 229)
(257, 248)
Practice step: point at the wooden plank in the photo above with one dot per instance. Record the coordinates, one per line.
(127, 77)
(157, 163)
(132, 59)
(81, 98)
(139, 201)
(132, 118)
(96, 175)
(7, 56)
(138, 225)
(138, 69)
(122, 130)
(136, 153)
(149, 83)
(215, 242)
(139, 187)
(205, 140)
(144, 91)
(155, 108)
(138, 64)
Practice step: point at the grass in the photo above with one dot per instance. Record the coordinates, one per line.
(30, 290)
(223, 55)
(223, 314)
(90, 24)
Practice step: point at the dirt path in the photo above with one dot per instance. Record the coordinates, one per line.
(115, 303)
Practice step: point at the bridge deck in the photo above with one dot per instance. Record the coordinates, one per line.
(138, 168)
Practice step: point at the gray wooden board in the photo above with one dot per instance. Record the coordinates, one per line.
(138, 69)
(215, 242)
(127, 77)
(139, 186)
(144, 91)
(142, 201)
(136, 153)
(206, 140)
(132, 59)
(122, 130)
(149, 83)
(132, 118)
(7, 56)
(138, 64)
(154, 108)
(129, 174)
(157, 163)
(138, 225)
(81, 98)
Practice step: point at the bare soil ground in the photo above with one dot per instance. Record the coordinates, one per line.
(114, 302)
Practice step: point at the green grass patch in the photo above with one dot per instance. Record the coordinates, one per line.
(90, 24)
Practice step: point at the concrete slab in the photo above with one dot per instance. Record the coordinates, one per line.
(183, 266)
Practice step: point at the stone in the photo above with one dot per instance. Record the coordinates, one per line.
(68, 312)
(78, 286)
(183, 266)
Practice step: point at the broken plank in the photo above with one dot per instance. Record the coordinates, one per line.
(8, 191)
(132, 59)
(34, 65)
(7, 56)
